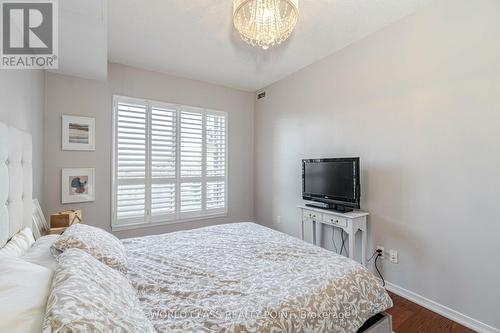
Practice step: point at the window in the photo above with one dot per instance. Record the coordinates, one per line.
(169, 162)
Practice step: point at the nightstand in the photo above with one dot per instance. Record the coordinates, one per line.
(62, 220)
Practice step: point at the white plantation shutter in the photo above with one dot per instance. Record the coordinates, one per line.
(216, 161)
(130, 157)
(216, 145)
(163, 161)
(162, 199)
(191, 197)
(191, 140)
(163, 142)
(216, 195)
(169, 162)
(191, 162)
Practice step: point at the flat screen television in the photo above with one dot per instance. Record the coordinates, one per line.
(334, 182)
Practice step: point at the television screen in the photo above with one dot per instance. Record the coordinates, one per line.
(333, 180)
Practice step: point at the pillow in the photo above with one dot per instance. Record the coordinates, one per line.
(100, 244)
(18, 244)
(88, 296)
(40, 253)
(24, 290)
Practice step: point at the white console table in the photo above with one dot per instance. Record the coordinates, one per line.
(351, 223)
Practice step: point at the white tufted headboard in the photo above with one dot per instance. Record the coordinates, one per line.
(16, 181)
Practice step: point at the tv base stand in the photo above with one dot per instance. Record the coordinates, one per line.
(332, 207)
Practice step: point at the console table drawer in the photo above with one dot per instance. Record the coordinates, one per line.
(335, 220)
(310, 215)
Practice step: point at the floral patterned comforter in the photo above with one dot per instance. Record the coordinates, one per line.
(244, 277)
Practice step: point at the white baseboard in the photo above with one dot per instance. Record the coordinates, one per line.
(444, 311)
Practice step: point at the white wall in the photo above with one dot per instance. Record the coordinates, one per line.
(419, 102)
(21, 106)
(75, 96)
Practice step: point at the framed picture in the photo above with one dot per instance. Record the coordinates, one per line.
(78, 185)
(78, 133)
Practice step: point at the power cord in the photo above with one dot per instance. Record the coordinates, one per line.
(377, 254)
(342, 247)
(342, 238)
(374, 254)
(378, 271)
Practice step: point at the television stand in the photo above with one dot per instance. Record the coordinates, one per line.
(332, 207)
(352, 223)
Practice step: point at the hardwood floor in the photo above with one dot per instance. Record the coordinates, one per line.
(408, 317)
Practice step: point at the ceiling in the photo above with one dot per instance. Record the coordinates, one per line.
(196, 39)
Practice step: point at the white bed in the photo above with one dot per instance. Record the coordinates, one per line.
(243, 277)
(225, 269)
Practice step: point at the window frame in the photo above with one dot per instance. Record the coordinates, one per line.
(178, 217)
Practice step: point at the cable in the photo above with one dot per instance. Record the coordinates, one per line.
(346, 237)
(343, 240)
(378, 254)
(373, 255)
(342, 247)
(376, 267)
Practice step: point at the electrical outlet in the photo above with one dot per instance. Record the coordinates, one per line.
(393, 256)
(278, 219)
(383, 251)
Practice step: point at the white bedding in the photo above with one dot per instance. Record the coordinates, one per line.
(40, 253)
(25, 277)
(18, 244)
(24, 289)
(247, 278)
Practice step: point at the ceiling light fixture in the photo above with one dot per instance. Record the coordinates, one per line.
(265, 23)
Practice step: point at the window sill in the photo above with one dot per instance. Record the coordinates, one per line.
(170, 222)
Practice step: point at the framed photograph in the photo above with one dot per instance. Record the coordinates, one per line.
(77, 185)
(78, 133)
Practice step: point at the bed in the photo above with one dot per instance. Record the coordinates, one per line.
(244, 277)
(240, 277)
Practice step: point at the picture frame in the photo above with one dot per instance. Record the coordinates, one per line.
(78, 133)
(77, 185)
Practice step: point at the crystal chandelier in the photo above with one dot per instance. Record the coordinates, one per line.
(265, 22)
